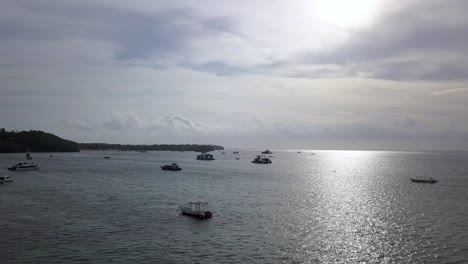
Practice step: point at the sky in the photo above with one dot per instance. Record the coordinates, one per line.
(299, 74)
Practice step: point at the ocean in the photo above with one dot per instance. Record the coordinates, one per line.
(308, 207)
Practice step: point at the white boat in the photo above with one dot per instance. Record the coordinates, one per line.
(267, 152)
(5, 179)
(260, 159)
(205, 157)
(24, 166)
(196, 209)
(172, 167)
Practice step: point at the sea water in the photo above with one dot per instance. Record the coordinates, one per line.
(308, 207)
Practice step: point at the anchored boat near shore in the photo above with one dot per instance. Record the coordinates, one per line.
(5, 179)
(24, 166)
(196, 209)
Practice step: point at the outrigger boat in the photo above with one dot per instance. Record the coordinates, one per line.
(172, 167)
(429, 180)
(196, 209)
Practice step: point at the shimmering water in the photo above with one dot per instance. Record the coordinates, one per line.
(331, 207)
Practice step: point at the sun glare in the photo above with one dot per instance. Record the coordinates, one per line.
(348, 14)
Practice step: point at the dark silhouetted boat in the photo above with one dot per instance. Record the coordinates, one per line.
(171, 167)
(5, 179)
(428, 180)
(196, 209)
(205, 156)
(267, 152)
(261, 160)
(28, 156)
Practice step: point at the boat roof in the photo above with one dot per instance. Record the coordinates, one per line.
(200, 203)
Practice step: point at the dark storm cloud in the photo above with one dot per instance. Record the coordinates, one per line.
(138, 35)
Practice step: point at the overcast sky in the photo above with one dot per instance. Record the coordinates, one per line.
(307, 74)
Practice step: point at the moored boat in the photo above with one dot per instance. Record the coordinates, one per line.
(267, 152)
(196, 209)
(171, 167)
(261, 160)
(427, 180)
(5, 179)
(24, 166)
(205, 156)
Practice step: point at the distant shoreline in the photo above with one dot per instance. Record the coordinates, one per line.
(39, 141)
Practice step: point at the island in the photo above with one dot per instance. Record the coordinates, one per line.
(39, 141)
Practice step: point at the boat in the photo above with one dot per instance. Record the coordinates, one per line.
(237, 158)
(171, 167)
(299, 152)
(28, 156)
(205, 156)
(5, 179)
(261, 160)
(223, 152)
(24, 166)
(235, 152)
(267, 152)
(107, 157)
(196, 209)
(427, 180)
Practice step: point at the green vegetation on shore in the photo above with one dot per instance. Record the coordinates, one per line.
(39, 141)
(34, 141)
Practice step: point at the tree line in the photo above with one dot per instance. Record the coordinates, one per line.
(39, 141)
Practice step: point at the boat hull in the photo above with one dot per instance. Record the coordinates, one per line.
(171, 169)
(197, 214)
(23, 168)
(423, 181)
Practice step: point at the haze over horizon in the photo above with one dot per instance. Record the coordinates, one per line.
(309, 74)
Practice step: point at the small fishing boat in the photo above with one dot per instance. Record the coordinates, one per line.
(5, 179)
(24, 166)
(205, 156)
(267, 152)
(261, 160)
(28, 156)
(107, 157)
(427, 180)
(196, 209)
(171, 167)
(235, 152)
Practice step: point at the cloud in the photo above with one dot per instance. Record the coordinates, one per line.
(77, 124)
(137, 35)
(124, 120)
(424, 40)
(449, 91)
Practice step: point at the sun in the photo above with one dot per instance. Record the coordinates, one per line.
(347, 13)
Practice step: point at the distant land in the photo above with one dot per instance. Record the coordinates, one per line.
(39, 141)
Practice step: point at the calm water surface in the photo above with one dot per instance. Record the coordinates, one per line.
(331, 207)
